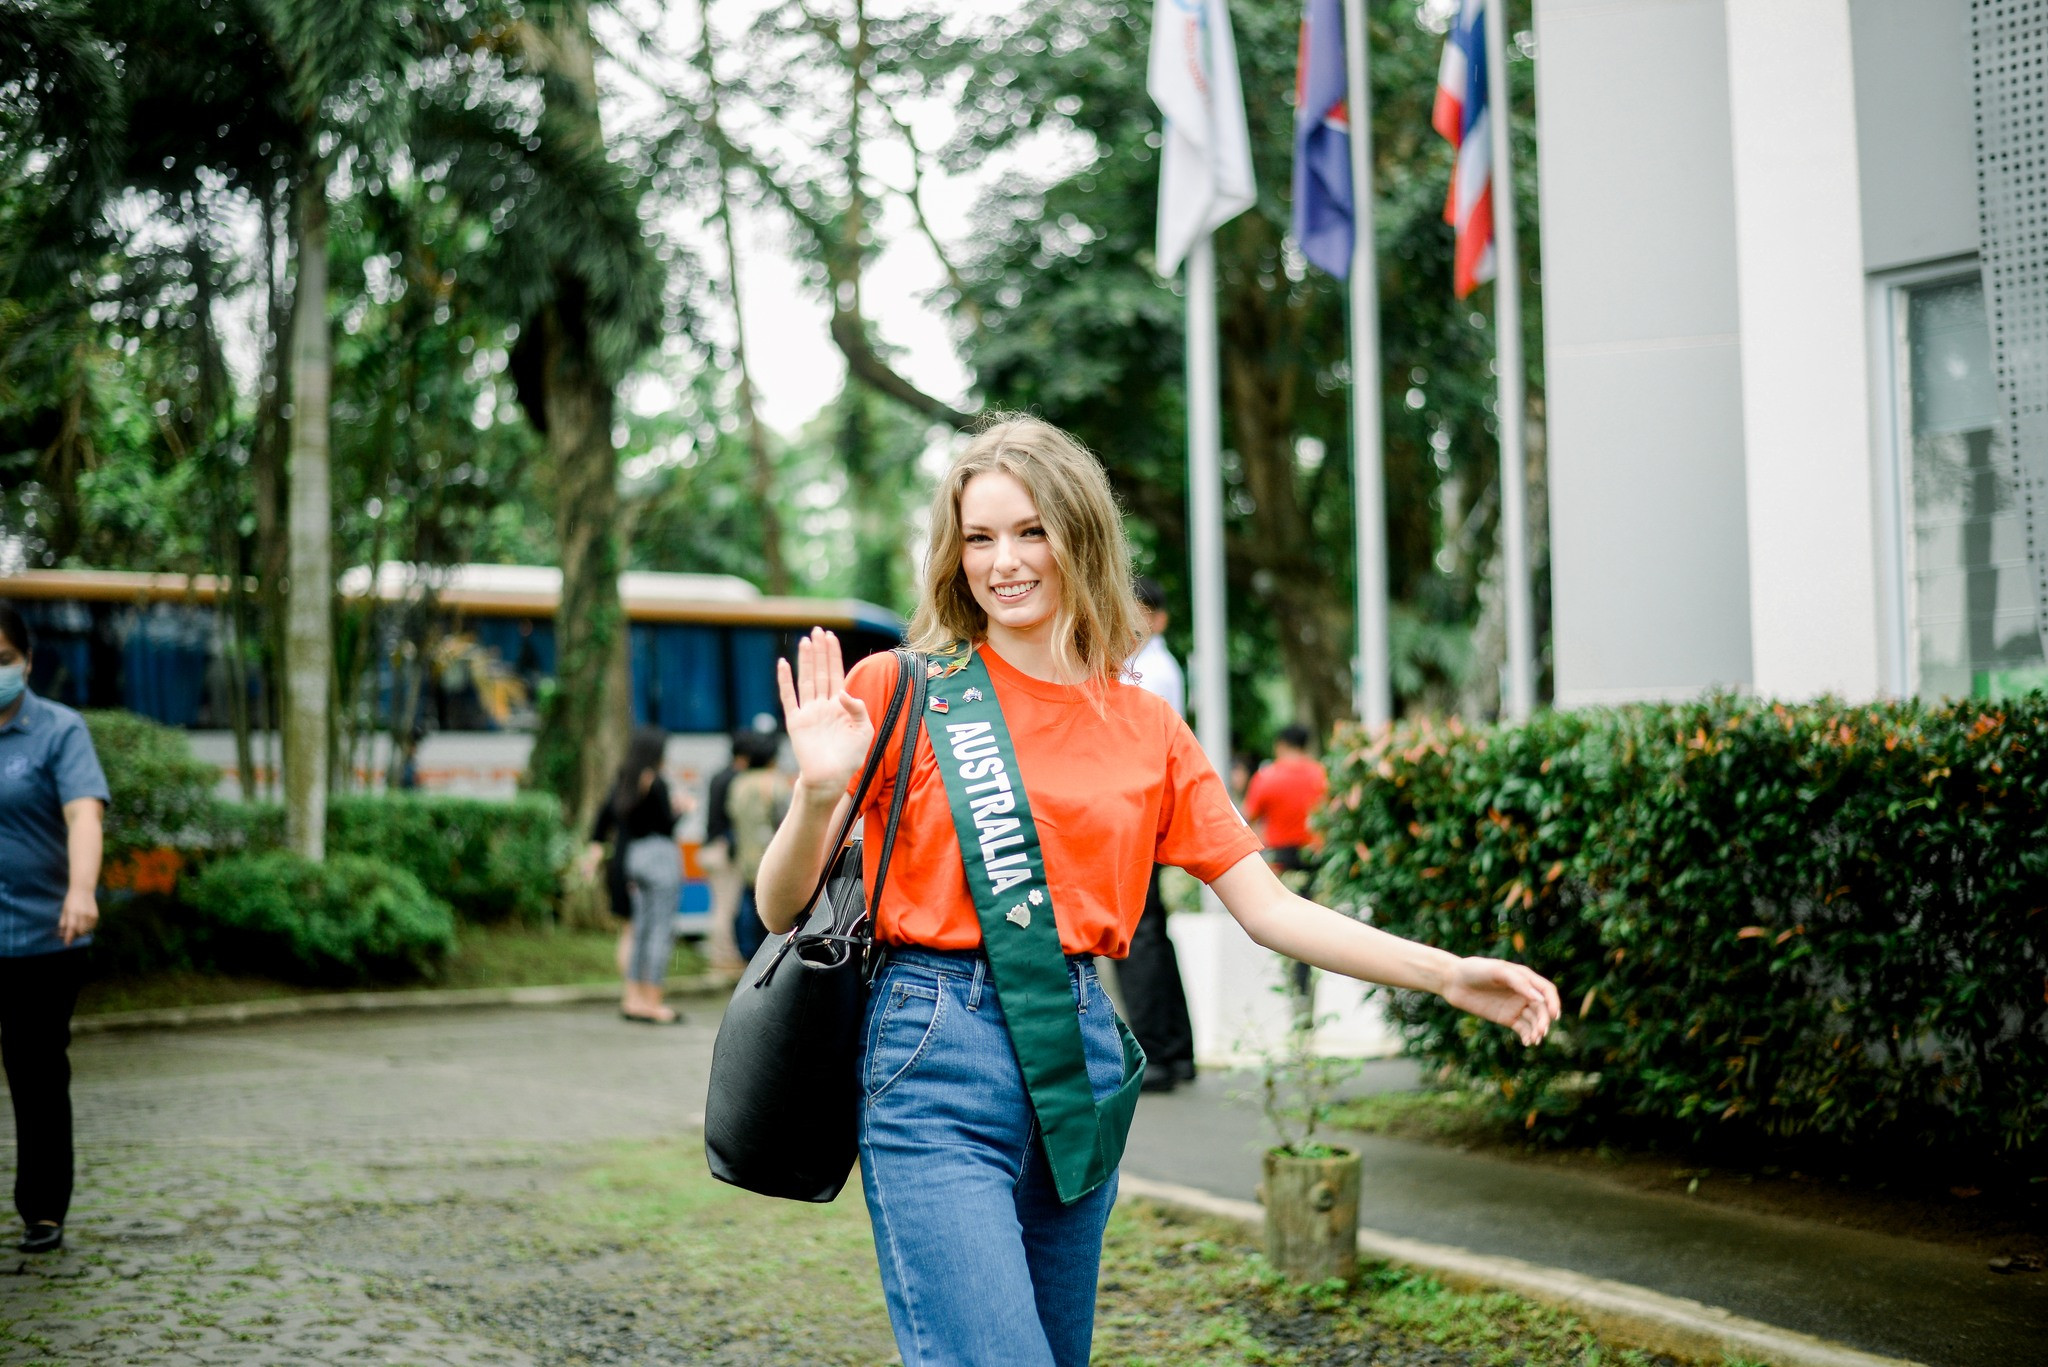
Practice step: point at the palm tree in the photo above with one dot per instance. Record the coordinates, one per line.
(576, 264)
(345, 64)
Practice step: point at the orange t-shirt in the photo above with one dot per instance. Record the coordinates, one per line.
(1112, 792)
(1283, 794)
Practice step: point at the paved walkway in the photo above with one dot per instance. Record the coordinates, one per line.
(208, 1153)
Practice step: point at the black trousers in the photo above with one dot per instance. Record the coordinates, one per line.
(37, 993)
(1154, 999)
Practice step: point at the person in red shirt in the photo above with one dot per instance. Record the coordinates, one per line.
(1281, 798)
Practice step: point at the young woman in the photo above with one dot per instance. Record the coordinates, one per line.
(981, 1259)
(645, 872)
(52, 798)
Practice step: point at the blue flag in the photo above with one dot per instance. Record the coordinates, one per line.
(1322, 142)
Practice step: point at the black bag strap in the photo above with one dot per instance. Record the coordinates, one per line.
(909, 694)
(910, 665)
(904, 660)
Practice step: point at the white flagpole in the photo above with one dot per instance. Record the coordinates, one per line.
(1373, 690)
(1205, 508)
(1520, 701)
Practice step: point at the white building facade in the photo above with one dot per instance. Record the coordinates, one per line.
(1795, 265)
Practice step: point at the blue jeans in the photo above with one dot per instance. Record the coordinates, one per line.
(980, 1261)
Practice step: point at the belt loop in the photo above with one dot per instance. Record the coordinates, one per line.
(974, 992)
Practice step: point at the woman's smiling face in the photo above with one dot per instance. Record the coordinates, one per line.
(1005, 554)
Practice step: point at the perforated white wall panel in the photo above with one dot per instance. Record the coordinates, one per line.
(2009, 60)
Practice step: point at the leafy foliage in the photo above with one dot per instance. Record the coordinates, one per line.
(161, 795)
(350, 920)
(1770, 924)
(1064, 314)
(491, 861)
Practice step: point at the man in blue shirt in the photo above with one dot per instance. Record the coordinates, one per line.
(52, 799)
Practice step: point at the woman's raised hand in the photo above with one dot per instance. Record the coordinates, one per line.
(829, 730)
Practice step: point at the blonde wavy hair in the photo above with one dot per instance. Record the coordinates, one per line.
(1098, 623)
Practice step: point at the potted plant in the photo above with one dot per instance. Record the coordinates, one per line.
(1310, 1190)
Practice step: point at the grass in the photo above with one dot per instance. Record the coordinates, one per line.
(1175, 1291)
(485, 956)
(1436, 1116)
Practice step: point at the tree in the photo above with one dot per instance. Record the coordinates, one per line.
(345, 69)
(1070, 320)
(827, 82)
(775, 570)
(575, 265)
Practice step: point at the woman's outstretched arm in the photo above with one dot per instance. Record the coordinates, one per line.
(1505, 993)
(830, 733)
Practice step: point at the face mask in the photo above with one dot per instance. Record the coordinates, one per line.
(13, 678)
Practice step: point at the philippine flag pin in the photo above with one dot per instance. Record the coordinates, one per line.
(971, 695)
(938, 705)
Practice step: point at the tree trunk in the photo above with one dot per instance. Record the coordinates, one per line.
(582, 732)
(1312, 1216)
(1307, 600)
(231, 601)
(583, 729)
(309, 646)
(269, 487)
(775, 568)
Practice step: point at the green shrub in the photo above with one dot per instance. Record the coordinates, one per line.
(348, 921)
(1770, 924)
(162, 796)
(490, 860)
(246, 826)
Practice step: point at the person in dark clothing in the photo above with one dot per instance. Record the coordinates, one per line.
(716, 855)
(53, 799)
(755, 805)
(1155, 999)
(639, 819)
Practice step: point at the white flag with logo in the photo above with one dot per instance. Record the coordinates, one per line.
(1205, 174)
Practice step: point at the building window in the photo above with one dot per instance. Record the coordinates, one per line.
(1971, 604)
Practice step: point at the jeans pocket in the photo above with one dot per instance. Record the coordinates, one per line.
(1102, 1044)
(906, 1018)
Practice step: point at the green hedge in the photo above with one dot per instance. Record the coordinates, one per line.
(161, 796)
(491, 861)
(348, 921)
(1771, 925)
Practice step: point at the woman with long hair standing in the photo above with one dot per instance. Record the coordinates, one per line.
(639, 819)
(988, 1178)
(53, 797)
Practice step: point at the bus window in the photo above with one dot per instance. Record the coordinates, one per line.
(754, 650)
(690, 669)
(165, 654)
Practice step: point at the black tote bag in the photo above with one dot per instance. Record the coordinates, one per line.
(783, 1112)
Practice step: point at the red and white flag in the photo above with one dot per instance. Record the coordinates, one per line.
(1461, 115)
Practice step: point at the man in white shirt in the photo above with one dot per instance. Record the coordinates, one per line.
(1155, 1001)
(1156, 670)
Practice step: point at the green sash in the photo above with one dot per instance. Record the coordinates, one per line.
(1006, 877)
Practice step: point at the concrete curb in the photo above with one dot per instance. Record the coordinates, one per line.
(1639, 1317)
(428, 999)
